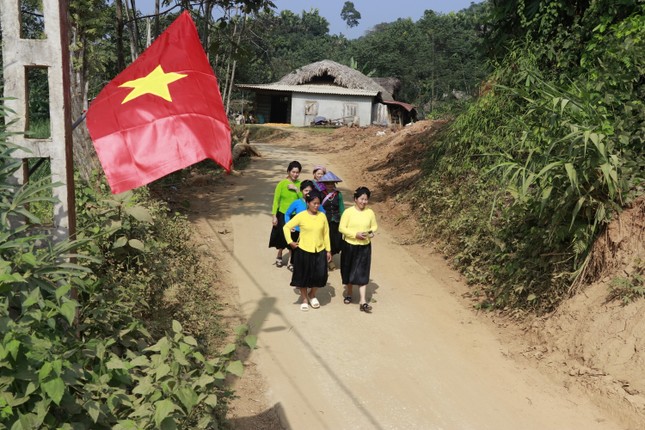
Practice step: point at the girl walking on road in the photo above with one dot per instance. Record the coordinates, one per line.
(286, 192)
(357, 226)
(312, 251)
(334, 207)
(295, 208)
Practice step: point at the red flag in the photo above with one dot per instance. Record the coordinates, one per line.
(162, 113)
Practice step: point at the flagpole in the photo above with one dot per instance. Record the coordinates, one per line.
(79, 120)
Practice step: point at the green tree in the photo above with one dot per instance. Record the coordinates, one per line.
(557, 29)
(396, 43)
(451, 58)
(277, 44)
(432, 57)
(560, 135)
(350, 15)
(94, 62)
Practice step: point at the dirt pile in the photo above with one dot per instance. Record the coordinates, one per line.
(391, 157)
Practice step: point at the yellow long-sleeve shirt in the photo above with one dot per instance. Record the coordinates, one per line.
(354, 221)
(314, 231)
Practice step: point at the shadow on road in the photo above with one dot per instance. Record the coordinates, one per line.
(266, 305)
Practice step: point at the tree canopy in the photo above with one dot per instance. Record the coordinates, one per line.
(350, 15)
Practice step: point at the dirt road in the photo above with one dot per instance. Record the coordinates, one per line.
(421, 360)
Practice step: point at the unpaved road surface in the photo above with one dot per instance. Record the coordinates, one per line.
(421, 360)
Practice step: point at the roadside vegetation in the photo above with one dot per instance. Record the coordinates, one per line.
(629, 289)
(117, 329)
(520, 185)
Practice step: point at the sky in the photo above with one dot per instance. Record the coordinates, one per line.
(372, 12)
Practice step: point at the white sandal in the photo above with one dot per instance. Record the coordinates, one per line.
(314, 303)
(304, 307)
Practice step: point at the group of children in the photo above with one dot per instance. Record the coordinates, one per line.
(310, 218)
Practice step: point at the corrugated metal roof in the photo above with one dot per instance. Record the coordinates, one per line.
(310, 89)
(406, 106)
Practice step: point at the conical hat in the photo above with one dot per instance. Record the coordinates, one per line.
(330, 177)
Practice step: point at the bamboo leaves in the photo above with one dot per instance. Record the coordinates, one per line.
(564, 149)
(571, 174)
(570, 164)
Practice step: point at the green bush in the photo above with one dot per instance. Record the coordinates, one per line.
(149, 261)
(522, 183)
(76, 351)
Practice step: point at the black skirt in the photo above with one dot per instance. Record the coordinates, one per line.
(276, 240)
(335, 238)
(355, 264)
(309, 269)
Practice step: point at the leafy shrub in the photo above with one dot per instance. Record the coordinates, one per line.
(75, 351)
(149, 262)
(522, 183)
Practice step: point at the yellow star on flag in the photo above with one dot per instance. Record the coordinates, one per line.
(155, 83)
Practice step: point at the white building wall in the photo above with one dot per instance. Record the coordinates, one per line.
(329, 106)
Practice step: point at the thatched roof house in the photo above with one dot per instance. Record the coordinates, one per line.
(327, 72)
(391, 85)
(324, 91)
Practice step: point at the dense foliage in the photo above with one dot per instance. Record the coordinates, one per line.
(275, 45)
(105, 331)
(433, 57)
(547, 158)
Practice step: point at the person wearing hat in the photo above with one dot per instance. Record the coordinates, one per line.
(357, 226)
(286, 192)
(334, 207)
(319, 171)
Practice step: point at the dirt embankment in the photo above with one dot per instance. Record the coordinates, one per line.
(594, 339)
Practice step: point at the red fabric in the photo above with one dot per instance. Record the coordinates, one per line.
(148, 137)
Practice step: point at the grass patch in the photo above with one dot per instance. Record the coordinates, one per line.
(319, 129)
(38, 130)
(258, 132)
(629, 288)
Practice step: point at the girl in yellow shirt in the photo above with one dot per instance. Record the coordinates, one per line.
(357, 225)
(312, 252)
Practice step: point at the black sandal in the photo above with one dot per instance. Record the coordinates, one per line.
(347, 300)
(366, 308)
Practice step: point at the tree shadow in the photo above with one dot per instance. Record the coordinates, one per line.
(253, 197)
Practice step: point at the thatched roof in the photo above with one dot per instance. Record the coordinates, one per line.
(327, 71)
(391, 85)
